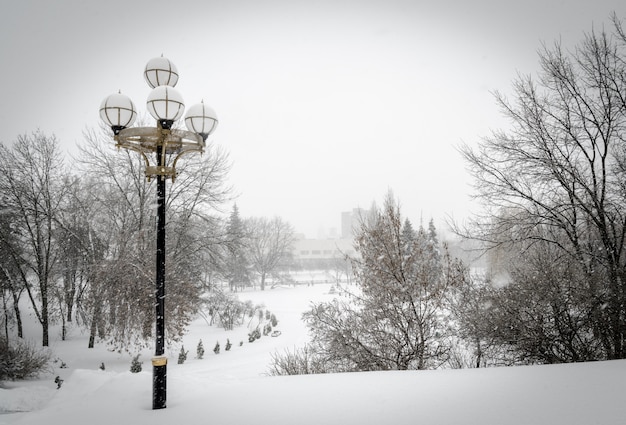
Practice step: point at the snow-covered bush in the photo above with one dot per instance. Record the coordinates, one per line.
(200, 350)
(216, 349)
(21, 360)
(182, 356)
(225, 310)
(254, 335)
(135, 364)
(303, 361)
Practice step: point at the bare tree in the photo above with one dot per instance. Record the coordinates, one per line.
(11, 285)
(118, 201)
(558, 175)
(81, 248)
(31, 177)
(270, 245)
(120, 296)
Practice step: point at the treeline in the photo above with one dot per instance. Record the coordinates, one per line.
(78, 239)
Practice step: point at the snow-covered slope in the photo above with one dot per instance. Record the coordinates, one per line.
(232, 387)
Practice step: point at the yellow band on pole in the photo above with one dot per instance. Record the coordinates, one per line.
(159, 361)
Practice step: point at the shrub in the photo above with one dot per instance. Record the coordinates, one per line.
(135, 364)
(22, 360)
(303, 361)
(228, 345)
(216, 349)
(200, 350)
(225, 309)
(182, 356)
(274, 320)
(254, 335)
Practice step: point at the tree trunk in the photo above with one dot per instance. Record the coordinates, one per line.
(18, 315)
(93, 328)
(69, 298)
(44, 320)
(479, 353)
(92, 331)
(6, 317)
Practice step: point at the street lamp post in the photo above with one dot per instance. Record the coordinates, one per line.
(160, 147)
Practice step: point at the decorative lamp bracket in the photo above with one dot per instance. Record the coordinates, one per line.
(168, 145)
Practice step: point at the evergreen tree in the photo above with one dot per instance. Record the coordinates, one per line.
(408, 233)
(182, 355)
(200, 350)
(432, 233)
(237, 270)
(135, 365)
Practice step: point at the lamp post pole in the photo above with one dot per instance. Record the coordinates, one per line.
(159, 364)
(167, 145)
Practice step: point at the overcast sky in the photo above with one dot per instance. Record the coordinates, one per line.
(323, 105)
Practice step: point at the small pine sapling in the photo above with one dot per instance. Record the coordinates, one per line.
(200, 350)
(102, 366)
(216, 349)
(182, 356)
(228, 345)
(135, 364)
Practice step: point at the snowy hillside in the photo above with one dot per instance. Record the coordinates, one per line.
(232, 387)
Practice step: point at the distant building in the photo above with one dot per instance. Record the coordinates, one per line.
(321, 253)
(329, 252)
(350, 221)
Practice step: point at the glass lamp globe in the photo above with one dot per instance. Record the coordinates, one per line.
(201, 119)
(160, 72)
(118, 112)
(166, 105)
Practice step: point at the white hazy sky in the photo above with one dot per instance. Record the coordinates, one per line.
(323, 105)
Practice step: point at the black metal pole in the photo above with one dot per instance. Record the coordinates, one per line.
(159, 362)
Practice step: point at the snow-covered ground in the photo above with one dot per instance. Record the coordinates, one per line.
(233, 387)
